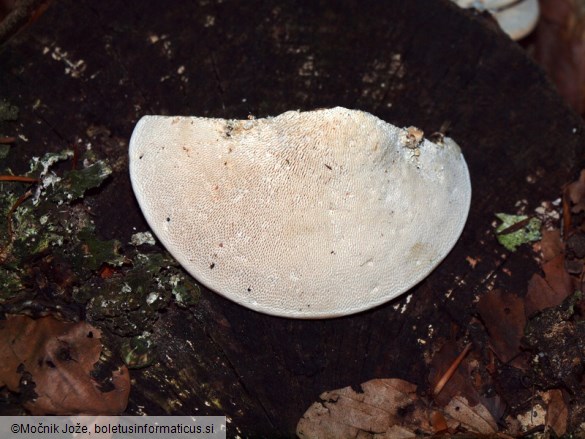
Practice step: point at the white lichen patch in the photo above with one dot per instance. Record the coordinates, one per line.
(151, 298)
(142, 238)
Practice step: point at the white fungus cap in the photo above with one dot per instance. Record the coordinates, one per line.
(308, 214)
(516, 18)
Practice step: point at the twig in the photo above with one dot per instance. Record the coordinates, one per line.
(23, 11)
(18, 178)
(566, 213)
(447, 376)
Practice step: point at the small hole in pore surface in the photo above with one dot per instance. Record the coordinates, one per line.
(212, 265)
(168, 220)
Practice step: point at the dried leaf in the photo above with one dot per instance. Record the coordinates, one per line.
(439, 422)
(51, 363)
(551, 244)
(557, 277)
(551, 290)
(539, 295)
(557, 412)
(475, 418)
(389, 408)
(385, 407)
(503, 316)
(576, 193)
(560, 49)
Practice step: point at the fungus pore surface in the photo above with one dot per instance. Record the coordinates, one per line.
(308, 214)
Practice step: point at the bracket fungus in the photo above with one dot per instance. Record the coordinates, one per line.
(517, 18)
(308, 214)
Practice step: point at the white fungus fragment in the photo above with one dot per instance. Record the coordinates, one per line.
(517, 18)
(308, 214)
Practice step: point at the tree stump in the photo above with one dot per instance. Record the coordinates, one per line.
(85, 68)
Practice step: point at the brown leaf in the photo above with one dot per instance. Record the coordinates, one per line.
(539, 295)
(557, 412)
(475, 418)
(551, 290)
(576, 193)
(383, 406)
(551, 244)
(389, 408)
(560, 49)
(503, 316)
(439, 422)
(50, 362)
(557, 277)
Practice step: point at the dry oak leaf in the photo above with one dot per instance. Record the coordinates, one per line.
(475, 418)
(384, 408)
(51, 363)
(389, 408)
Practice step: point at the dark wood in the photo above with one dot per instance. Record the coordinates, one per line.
(410, 62)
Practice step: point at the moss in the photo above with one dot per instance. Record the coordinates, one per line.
(76, 182)
(138, 352)
(91, 252)
(8, 112)
(4, 150)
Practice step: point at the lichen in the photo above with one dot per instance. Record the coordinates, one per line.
(53, 256)
(8, 112)
(142, 238)
(138, 352)
(516, 230)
